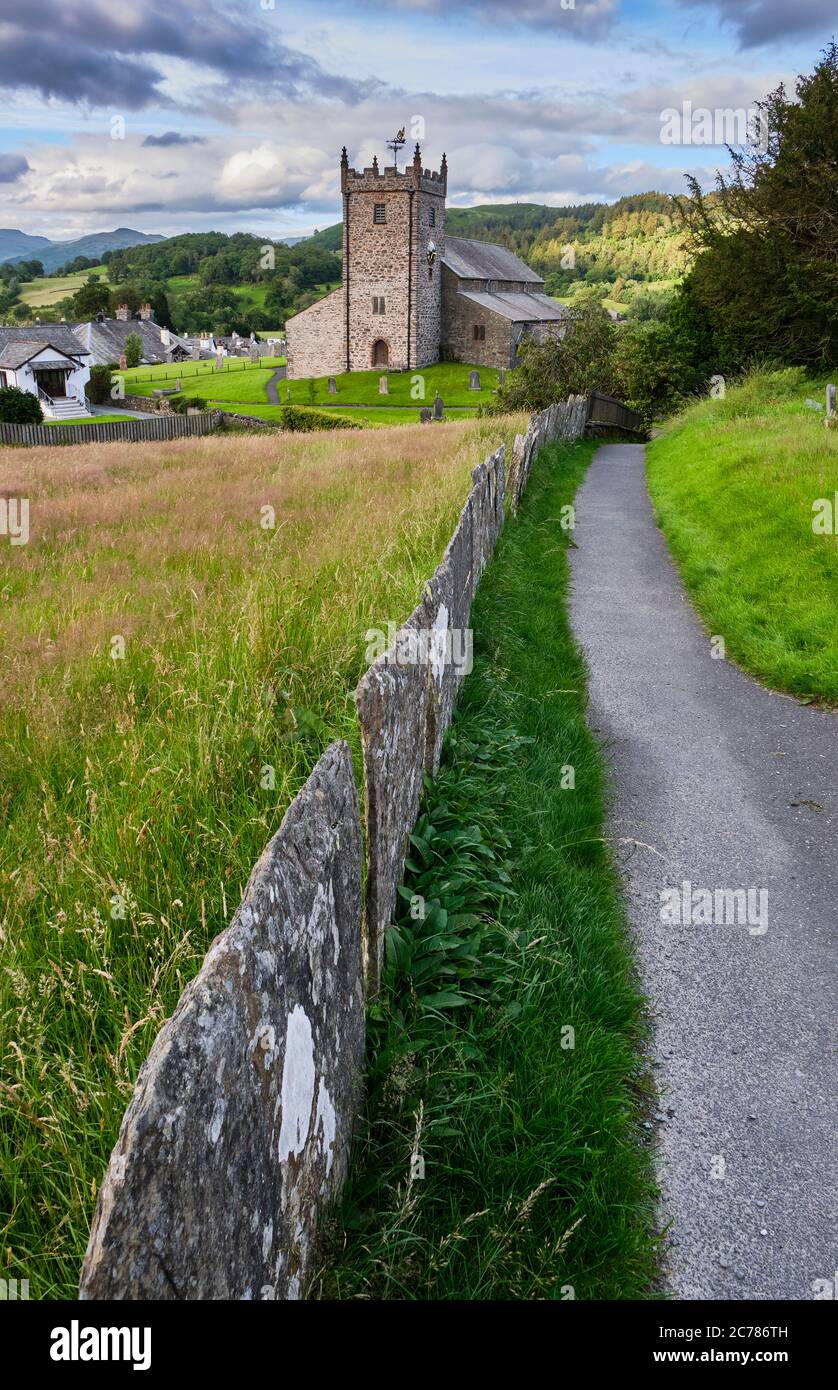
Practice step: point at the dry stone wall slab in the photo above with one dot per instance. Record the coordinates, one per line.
(239, 1127)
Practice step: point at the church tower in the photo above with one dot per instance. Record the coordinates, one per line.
(393, 239)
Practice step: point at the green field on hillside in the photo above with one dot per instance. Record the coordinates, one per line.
(735, 484)
(38, 294)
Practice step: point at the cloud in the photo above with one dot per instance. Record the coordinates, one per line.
(171, 137)
(12, 167)
(116, 53)
(769, 21)
(575, 19)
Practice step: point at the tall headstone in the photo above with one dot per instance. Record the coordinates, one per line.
(439, 408)
(501, 376)
(383, 386)
(123, 362)
(195, 350)
(332, 386)
(474, 381)
(830, 401)
(219, 361)
(425, 415)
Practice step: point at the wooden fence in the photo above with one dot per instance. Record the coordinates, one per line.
(113, 431)
(606, 414)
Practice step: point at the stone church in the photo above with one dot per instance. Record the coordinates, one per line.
(411, 295)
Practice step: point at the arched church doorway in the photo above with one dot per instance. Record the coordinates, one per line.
(380, 353)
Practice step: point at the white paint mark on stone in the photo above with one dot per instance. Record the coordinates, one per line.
(326, 1116)
(438, 643)
(267, 1240)
(214, 1130)
(298, 1081)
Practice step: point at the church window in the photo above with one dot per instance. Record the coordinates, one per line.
(432, 217)
(480, 332)
(379, 213)
(378, 303)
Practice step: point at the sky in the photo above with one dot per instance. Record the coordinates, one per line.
(193, 115)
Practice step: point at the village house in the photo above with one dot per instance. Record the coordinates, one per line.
(411, 295)
(104, 339)
(48, 361)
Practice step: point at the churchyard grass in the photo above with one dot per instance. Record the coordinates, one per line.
(502, 1153)
(735, 484)
(172, 671)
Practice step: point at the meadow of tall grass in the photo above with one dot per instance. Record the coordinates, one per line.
(181, 637)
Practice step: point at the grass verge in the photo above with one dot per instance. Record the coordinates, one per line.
(504, 1044)
(735, 483)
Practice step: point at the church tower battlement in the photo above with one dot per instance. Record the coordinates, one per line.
(393, 239)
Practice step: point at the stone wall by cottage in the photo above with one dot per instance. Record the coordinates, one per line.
(314, 338)
(238, 1130)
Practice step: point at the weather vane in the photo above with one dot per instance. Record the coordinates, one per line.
(395, 145)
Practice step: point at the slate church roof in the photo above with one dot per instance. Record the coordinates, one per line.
(519, 308)
(483, 260)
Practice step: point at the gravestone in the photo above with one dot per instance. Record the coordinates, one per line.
(123, 362)
(439, 408)
(830, 401)
(254, 353)
(195, 351)
(501, 376)
(383, 386)
(425, 415)
(332, 386)
(474, 381)
(219, 361)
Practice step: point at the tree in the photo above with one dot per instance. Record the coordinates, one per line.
(767, 272)
(93, 298)
(19, 407)
(133, 350)
(574, 364)
(98, 388)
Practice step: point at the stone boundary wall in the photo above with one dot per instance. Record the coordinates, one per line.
(238, 1131)
(239, 1126)
(406, 699)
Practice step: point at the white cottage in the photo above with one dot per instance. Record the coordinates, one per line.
(48, 361)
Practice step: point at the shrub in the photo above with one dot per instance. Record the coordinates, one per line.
(181, 404)
(19, 407)
(300, 417)
(133, 350)
(98, 389)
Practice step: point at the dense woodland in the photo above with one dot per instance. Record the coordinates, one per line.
(762, 287)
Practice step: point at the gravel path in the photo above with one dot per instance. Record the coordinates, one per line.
(728, 786)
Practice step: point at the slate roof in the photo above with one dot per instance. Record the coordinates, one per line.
(106, 340)
(483, 260)
(520, 308)
(18, 345)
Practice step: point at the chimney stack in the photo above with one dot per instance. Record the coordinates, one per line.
(122, 313)
(145, 312)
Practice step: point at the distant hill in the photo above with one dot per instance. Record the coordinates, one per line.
(18, 244)
(638, 238)
(54, 254)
